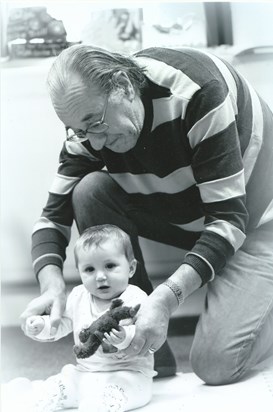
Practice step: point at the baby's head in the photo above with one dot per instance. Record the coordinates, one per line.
(105, 260)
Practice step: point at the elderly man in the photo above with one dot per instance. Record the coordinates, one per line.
(177, 147)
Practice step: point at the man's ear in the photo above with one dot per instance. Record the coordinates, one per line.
(122, 82)
(133, 266)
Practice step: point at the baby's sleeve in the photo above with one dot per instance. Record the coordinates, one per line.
(133, 295)
(130, 333)
(65, 327)
(44, 335)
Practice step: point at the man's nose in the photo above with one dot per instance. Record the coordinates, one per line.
(97, 140)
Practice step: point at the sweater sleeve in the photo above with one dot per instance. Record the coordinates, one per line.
(218, 170)
(51, 233)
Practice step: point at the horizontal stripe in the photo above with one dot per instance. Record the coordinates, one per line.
(44, 223)
(255, 143)
(207, 263)
(194, 226)
(167, 76)
(59, 209)
(244, 117)
(229, 79)
(193, 63)
(231, 233)
(168, 109)
(148, 183)
(176, 208)
(78, 149)
(251, 154)
(215, 161)
(214, 248)
(211, 96)
(232, 210)
(267, 215)
(212, 123)
(62, 185)
(222, 189)
(48, 241)
(46, 256)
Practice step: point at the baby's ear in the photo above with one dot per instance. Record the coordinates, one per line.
(133, 266)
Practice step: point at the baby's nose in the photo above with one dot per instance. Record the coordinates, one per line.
(101, 275)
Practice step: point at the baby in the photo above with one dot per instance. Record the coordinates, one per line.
(105, 381)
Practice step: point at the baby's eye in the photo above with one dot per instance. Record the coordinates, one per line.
(89, 269)
(111, 265)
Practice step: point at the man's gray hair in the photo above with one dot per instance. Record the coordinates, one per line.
(92, 64)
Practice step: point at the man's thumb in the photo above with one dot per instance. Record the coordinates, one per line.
(55, 317)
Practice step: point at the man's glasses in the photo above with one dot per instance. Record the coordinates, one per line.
(98, 127)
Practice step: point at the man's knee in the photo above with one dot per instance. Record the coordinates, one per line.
(213, 364)
(90, 186)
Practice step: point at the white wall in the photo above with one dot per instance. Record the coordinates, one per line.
(252, 23)
(31, 137)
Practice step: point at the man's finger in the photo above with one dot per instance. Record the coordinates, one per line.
(56, 314)
(148, 347)
(135, 346)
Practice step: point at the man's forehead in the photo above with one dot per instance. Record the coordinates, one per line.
(77, 101)
(75, 83)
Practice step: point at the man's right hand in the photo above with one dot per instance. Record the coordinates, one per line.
(52, 300)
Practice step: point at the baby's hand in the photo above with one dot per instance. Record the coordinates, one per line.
(115, 337)
(34, 325)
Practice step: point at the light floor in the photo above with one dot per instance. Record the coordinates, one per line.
(23, 357)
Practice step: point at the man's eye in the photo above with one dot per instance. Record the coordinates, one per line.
(111, 265)
(80, 133)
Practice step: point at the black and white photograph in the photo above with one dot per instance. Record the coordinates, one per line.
(136, 206)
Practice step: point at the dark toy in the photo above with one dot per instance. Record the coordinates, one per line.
(91, 337)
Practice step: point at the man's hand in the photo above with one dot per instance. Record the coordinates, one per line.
(155, 312)
(151, 324)
(52, 300)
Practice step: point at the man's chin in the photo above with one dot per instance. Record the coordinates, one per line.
(116, 149)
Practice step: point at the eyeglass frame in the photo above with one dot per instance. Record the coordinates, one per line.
(100, 122)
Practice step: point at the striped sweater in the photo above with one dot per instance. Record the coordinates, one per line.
(203, 161)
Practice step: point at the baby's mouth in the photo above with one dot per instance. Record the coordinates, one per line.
(103, 287)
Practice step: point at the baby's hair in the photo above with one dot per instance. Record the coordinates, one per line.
(96, 235)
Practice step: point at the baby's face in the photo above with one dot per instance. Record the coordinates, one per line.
(105, 270)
